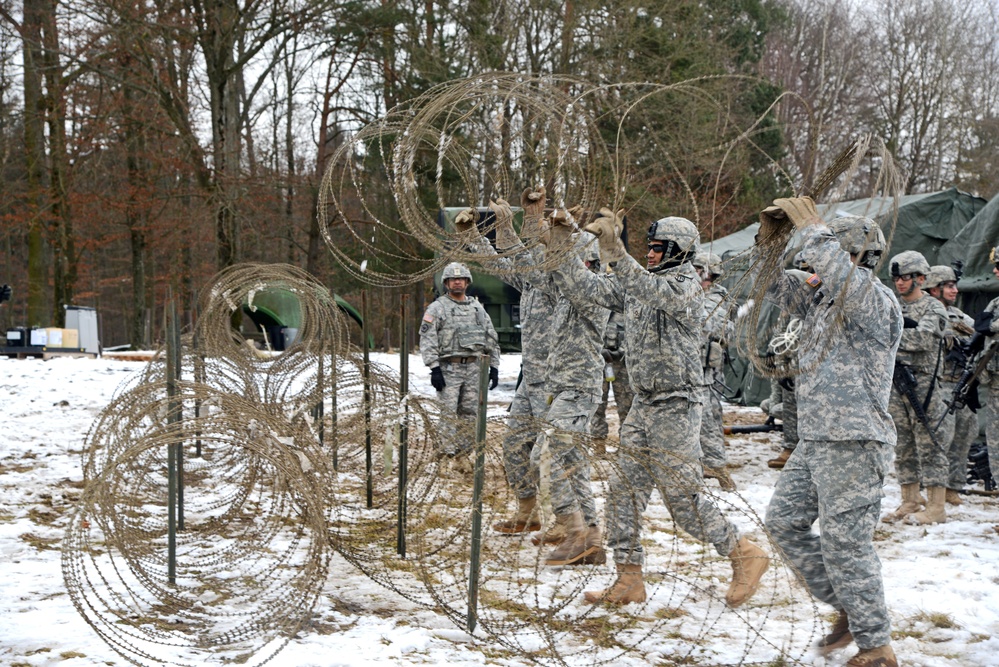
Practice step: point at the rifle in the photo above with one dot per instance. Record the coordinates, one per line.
(766, 427)
(905, 383)
(966, 383)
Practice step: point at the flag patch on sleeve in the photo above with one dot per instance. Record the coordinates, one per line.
(814, 280)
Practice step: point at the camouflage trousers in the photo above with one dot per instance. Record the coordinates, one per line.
(917, 458)
(964, 425)
(838, 483)
(660, 449)
(459, 405)
(623, 396)
(712, 435)
(569, 414)
(527, 412)
(992, 425)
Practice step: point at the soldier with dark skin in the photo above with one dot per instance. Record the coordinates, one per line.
(455, 330)
(851, 329)
(664, 311)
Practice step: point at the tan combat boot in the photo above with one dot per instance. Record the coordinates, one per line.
(882, 656)
(749, 562)
(721, 474)
(910, 503)
(936, 511)
(594, 538)
(838, 637)
(576, 546)
(554, 535)
(954, 497)
(777, 463)
(629, 587)
(524, 521)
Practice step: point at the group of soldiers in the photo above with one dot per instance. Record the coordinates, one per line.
(872, 372)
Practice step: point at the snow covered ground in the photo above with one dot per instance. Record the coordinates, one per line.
(942, 581)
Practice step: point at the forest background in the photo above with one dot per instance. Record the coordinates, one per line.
(146, 144)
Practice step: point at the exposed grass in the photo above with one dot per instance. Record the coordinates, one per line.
(41, 543)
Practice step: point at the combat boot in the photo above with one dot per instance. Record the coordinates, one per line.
(554, 535)
(777, 463)
(524, 521)
(594, 539)
(954, 497)
(882, 656)
(721, 474)
(910, 503)
(576, 546)
(629, 587)
(839, 636)
(749, 562)
(936, 511)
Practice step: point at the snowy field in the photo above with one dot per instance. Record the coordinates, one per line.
(942, 581)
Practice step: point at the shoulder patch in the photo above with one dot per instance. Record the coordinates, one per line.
(427, 317)
(425, 328)
(814, 280)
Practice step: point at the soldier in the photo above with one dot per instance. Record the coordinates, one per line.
(456, 329)
(573, 369)
(920, 454)
(616, 374)
(851, 327)
(664, 311)
(717, 328)
(987, 324)
(941, 283)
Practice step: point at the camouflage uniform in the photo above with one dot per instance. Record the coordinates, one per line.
(452, 336)
(963, 423)
(784, 406)
(835, 475)
(614, 354)
(991, 380)
(917, 458)
(717, 328)
(664, 313)
(538, 295)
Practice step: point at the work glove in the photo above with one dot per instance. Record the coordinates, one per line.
(557, 230)
(437, 378)
(607, 228)
(493, 377)
(576, 214)
(909, 323)
(5, 293)
(532, 200)
(799, 211)
(506, 237)
(983, 323)
(465, 224)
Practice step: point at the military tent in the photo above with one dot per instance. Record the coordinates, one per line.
(973, 245)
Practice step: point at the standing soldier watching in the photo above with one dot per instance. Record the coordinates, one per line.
(664, 312)
(987, 324)
(851, 327)
(921, 452)
(615, 365)
(941, 283)
(717, 328)
(455, 331)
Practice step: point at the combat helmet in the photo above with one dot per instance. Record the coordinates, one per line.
(710, 262)
(860, 236)
(679, 239)
(938, 275)
(456, 270)
(910, 261)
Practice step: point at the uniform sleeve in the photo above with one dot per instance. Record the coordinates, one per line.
(717, 322)
(575, 279)
(671, 293)
(506, 267)
(932, 327)
(494, 347)
(429, 340)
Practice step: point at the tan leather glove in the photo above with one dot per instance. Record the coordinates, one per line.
(464, 222)
(799, 211)
(532, 200)
(506, 237)
(556, 232)
(607, 228)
